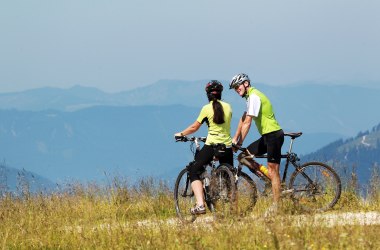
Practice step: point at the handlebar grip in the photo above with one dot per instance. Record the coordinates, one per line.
(180, 138)
(239, 147)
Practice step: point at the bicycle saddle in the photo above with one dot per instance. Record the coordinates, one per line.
(293, 135)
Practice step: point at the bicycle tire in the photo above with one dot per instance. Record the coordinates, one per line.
(222, 191)
(246, 194)
(320, 195)
(184, 197)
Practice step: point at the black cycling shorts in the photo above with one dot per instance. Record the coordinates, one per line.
(269, 144)
(205, 156)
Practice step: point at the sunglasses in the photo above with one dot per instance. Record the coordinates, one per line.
(237, 86)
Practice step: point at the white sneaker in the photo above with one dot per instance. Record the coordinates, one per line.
(198, 210)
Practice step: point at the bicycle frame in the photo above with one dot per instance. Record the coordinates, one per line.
(212, 164)
(196, 141)
(218, 183)
(311, 192)
(289, 156)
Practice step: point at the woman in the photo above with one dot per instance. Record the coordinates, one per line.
(217, 115)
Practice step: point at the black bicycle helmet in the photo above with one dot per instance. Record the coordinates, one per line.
(214, 87)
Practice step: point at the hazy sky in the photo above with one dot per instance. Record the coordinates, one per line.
(117, 45)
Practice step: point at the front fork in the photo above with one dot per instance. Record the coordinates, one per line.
(237, 171)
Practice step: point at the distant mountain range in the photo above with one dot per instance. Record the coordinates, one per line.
(86, 134)
(91, 143)
(312, 108)
(22, 181)
(359, 154)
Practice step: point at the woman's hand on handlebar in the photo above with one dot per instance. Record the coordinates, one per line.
(179, 137)
(178, 134)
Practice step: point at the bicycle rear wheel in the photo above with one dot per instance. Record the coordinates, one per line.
(184, 197)
(222, 191)
(316, 187)
(246, 194)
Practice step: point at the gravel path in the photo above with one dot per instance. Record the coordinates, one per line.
(340, 219)
(324, 219)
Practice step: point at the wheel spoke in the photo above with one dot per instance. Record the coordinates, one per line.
(246, 194)
(316, 186)
(184, 197)
(223, 191)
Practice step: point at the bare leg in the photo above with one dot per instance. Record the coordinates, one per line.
(274, 174)
(197, 187)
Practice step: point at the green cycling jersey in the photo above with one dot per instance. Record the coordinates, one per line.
(217, 133)
(260, 108)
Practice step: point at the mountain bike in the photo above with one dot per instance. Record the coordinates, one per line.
(218, 186)
(313, 186)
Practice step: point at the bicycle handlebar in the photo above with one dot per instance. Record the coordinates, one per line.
(238, 147)
(185, 138)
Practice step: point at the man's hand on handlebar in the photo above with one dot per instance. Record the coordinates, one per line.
(236, 147)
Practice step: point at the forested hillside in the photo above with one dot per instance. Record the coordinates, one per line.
(359, 154)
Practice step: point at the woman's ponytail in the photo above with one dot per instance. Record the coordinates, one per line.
(218, 112)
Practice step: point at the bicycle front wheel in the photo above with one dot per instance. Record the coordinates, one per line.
(223, 191)
(184, 197)
(246, 194)
(316, 186)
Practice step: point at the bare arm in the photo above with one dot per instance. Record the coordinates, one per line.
(237, 135)
(246, 125)
(189, 130)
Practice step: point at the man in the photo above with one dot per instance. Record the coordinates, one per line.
(259, 109)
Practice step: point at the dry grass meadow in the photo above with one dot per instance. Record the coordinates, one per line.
(142, 216)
